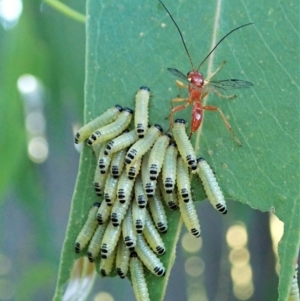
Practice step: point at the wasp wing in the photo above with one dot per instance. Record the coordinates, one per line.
(178, 74)
(228, 84)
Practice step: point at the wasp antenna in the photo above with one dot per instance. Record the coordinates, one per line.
(179, 33)
(220, 42)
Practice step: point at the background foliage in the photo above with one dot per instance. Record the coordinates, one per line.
(128, 47)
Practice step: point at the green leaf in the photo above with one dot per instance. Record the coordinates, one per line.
(131, 44)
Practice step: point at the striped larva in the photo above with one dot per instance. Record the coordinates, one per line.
(113, 129)
(107, 117)
(184, 144)
(110, 239)
(138, 278)
(122, 259)
(103, 161)
(118, 211)
(189, 216)
(169, 198)
(157, 155)
(211, 186)
(183, 180)
(140, 147)
(99, 181)
(118, 163)
(121, 142)
(103, 213)
(110, 190)
(107, 264)
(138, 216)
(147, 256)
(158, 212)
(141, 111)
(152, 236)
(128, 231)
(88, 229)
(95, 243)
(139, 192)
(169, 167)
(124, 188)
(133, 169)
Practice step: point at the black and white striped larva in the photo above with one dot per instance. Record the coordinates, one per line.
(158, 212)
(152, 236)
(149, 186)
(110, 239)
(140, 195)
(118, 211)
(138, 216)
(133, 169)
(124, 188)
(141, 111)
(184, 144)
(99, 181)
(117, 163)
(110, 190)
(87, 230)
(169, 167)
(107, 264)
(183, 180)
(189, 216)
(147, 256)
(95, 243)
(128, 231)
(103, 213)
(157, 156)
(211, 186)
(122, 259)
(121, 142)
(294, 292)
(140, 147)
(138, 278)
(113, 129)
(103, 161)
(107, 117)
(169, 198)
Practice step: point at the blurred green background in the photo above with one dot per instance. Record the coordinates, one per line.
(42, 57)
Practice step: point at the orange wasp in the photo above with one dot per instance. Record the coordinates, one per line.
(199, 87)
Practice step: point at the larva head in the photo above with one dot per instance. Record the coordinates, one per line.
(128, 110)
(145, 88)
(195, 78)
(180, 121)
(158, 127)
(119, 108)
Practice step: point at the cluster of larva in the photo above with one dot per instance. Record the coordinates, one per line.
(137, 171)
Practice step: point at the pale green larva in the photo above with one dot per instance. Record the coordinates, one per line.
(147, 256)
(157, 156)
(138, 216)
(141, 111)
(122, 259)
(169, 168)
(133, 169)
(211, 186)
(183, 180)
(103, 213)
(117, 163)
(138, 278)
(148, 185)
(110, 190)
(158, 213)
(88, 229)
(107, 117)
(140, 147)
(107, 264)
(140, 195)
(170, 199)
(113, 129)
(110, 239)
(128, 231)
(189, 216)
(184, 144)
(104, 161)
(95, 243)
(124, 188)
(152, 236)
(123, 141)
